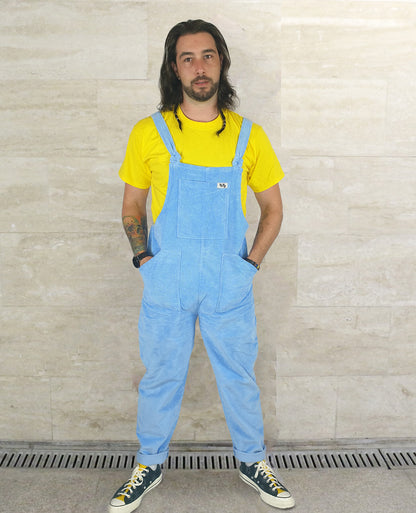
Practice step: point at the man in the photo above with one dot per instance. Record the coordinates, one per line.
(198, 156)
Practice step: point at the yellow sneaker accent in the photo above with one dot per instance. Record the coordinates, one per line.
(129, 496)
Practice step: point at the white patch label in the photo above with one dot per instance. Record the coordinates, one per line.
(222, 185)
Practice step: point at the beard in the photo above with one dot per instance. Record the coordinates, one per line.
(203, 95)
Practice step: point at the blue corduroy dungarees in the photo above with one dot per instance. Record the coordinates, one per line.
(198, 270)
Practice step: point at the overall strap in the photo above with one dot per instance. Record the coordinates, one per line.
(242, 142)
(166, 136)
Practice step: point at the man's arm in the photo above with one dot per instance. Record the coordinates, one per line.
(135, 218)
(271, 216)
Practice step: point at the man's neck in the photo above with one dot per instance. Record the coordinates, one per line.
(200, 111)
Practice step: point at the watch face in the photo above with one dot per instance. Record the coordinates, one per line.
(138, 258)
(136, 262)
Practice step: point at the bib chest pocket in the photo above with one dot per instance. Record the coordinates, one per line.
(203, 209)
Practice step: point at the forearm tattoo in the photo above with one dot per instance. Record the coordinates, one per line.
(136, 231)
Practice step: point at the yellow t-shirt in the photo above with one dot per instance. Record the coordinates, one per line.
(146, 163)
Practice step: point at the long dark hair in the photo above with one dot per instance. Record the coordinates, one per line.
(171, 88)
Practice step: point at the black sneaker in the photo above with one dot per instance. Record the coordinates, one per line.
(129, 496)
(262, 478)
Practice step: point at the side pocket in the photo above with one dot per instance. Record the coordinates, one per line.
(236, 282)
(161, 280)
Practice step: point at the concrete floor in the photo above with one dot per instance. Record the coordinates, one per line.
(209, 491)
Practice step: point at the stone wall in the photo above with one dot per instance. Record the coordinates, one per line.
(332, 83)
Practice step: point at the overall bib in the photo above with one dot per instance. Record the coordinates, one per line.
(198, 270)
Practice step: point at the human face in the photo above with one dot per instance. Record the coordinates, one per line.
(198, 66)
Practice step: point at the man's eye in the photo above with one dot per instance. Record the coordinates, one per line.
(187, 59)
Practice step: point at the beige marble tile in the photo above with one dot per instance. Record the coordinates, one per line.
(333, 116)
(25, 403)
(253, 36)
(355, 39)
(311, 203)
(69, 342)
(275, 286)
(306, 408)
(256, 64)
(379, 193)
(74, 40)
(68, 270)
(60, 195)
(401, 112)
(376, 407)
(94, 407)
(272, 311)
(334, 342)
(24, 195)
(351, 41)
(121, 104)
(349, 194)
(309, 168)
(283, 252)
(356, 270)
(22, 342)
(402, 356)
(83, 194)
(45, 118)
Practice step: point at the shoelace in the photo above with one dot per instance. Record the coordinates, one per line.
(268, 472)
(136, 480)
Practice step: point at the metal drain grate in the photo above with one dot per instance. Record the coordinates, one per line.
(66, 459)
(211, 459)
(335, 459)
(399, 459)
(201, 461)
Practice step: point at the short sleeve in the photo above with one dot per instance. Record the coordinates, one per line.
(134, 169)
(263, 166)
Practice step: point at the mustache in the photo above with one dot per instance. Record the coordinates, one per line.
(195, 80)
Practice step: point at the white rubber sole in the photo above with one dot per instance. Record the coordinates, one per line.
(276, 502)
(128, 508)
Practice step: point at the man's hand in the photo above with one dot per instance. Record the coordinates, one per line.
(144, 260)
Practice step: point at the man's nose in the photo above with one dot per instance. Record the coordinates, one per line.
(200, 67)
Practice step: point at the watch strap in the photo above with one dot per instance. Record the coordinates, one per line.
(252, 262)
(139, 257)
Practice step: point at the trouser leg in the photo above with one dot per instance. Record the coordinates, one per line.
(231, 342)
(166, 342)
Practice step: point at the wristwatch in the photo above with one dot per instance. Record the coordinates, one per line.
(252, 262)
(138, 258)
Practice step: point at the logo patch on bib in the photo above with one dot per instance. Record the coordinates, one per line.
(222, 185)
